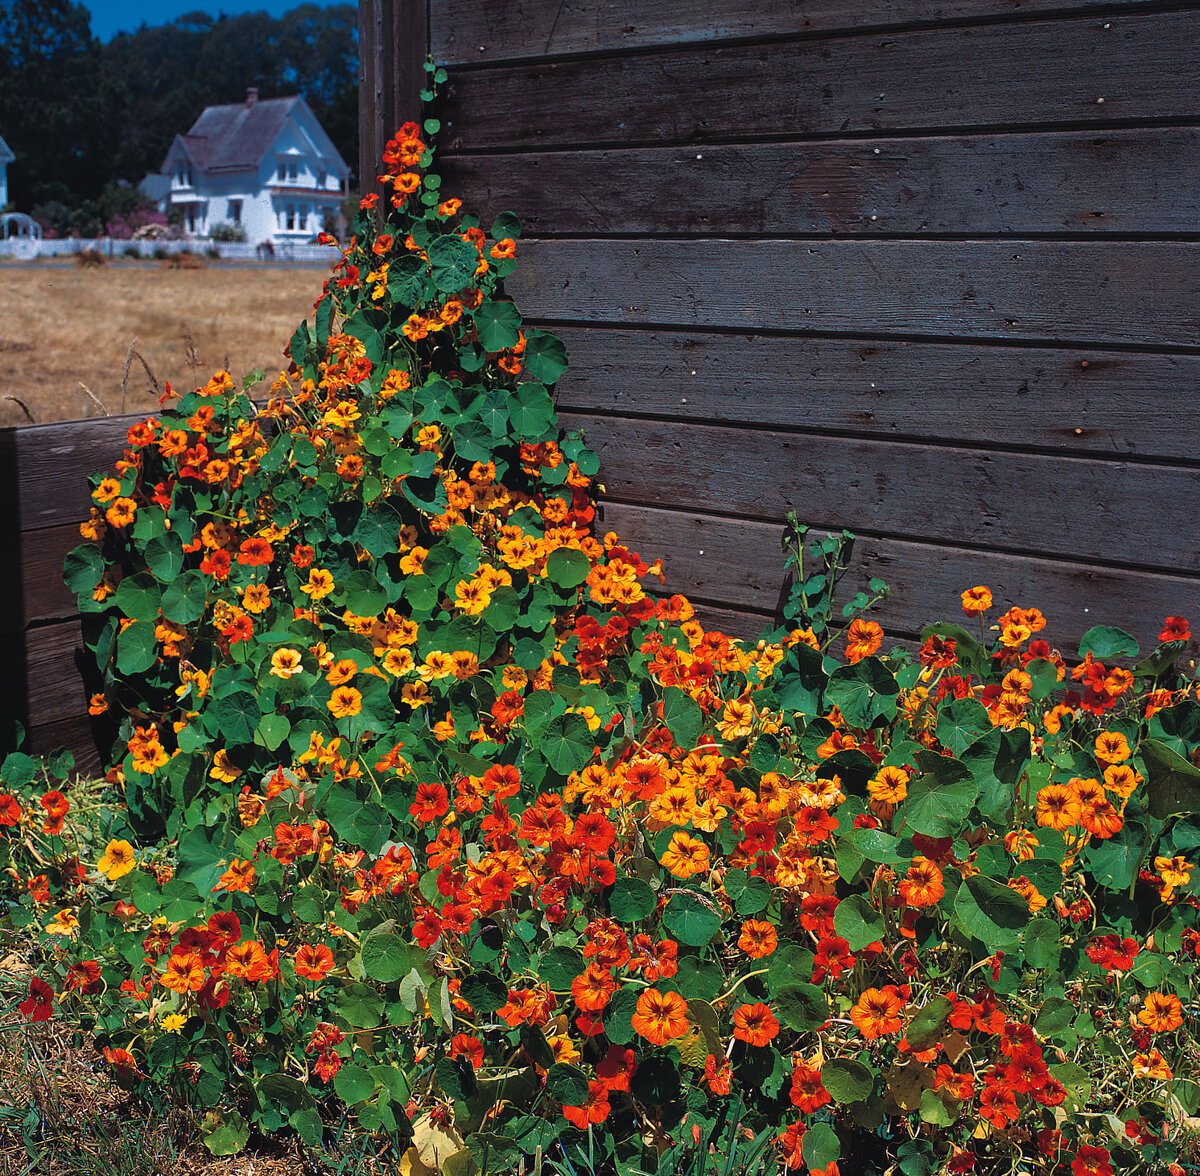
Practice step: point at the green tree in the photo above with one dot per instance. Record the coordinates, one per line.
(52, 101)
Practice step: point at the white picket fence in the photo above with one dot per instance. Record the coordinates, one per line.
(29, 248)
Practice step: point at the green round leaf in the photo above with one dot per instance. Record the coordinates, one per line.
(567, 567)
(631, 900)
(164, 556)
(454, 262)
(137, 649)
(138, 597)
(484, 992)
(567, 743)
(802, 1006)
(353, 1084)
(991, 911)
(185, 598)
(506, 224)
(386, 957)
(545, 356)
(683, 717)
(498, 324)
(820, 1146)
(1105, 641)
(560, 966)
(857, 922)
(83, 568)
(691, 919)
(847, 1080)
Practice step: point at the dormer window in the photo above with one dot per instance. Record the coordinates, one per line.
(288, 169)
(183, 175)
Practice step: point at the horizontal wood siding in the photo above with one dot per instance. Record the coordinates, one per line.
(926, 271)
(469, 31)
(1084, 69)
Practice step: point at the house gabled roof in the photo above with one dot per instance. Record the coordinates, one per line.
(236, 137)
(6, 154)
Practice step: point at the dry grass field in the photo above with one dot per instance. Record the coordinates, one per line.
(62, 325)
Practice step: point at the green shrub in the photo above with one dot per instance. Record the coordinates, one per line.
(433, 817)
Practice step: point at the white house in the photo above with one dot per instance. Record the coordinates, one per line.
(266, 165)
(6, 157)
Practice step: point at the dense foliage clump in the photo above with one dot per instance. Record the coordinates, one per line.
(432, 817)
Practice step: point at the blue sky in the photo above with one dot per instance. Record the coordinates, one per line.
(110, 17)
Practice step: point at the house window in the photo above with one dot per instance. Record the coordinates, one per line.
(195, 218)
(321, 178)
(291, 217)
(235, 212)
(184, 175)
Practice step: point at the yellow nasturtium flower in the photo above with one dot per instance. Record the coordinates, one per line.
(117, 860)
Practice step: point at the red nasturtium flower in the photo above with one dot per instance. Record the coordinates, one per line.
(808, 1091)
(313, 962)
(876, 1012)
(1175, 629)
(755, 1024)
(39, 1004)
(595, 1108)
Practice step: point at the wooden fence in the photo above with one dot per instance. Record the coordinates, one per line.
(927, 271)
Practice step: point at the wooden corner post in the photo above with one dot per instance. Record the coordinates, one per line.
(393, 43)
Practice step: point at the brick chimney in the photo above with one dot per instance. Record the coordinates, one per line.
(251, 95)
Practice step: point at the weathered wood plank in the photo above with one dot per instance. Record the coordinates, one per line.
(1005, 75)
(393, 40)
(54, 462)
(60, 672)
(1125, 292)
(979, 184)
(81, 734)
(44, 596)
(1109, 404)
(738, 564)
(1062, 507)
(467, 31)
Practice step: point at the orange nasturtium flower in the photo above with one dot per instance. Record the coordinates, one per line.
(922, 886)
(592, 989)
(285, 663)
(344, 702)
(877, 1012)
(686, 855)
(889, 785)
(660, 1016)
(758, 938)
(1161, 1012)
(184, 973)
(117, 860)
(320, 584)
(1111, 747)
(755, 1024)
(1058, 807)
(976, 600)
(239, 877)
(863, 639)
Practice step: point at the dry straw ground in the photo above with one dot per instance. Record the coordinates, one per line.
(62, 325)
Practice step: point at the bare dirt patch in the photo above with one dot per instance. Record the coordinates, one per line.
(62, 325)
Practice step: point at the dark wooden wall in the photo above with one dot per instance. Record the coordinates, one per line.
(46, 675)
(925, 270)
